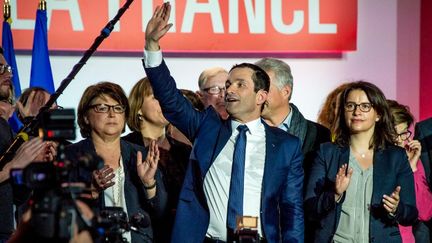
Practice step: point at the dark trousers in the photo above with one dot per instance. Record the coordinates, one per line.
(422, 231)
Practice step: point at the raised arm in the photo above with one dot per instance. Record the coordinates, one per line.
(176, 108)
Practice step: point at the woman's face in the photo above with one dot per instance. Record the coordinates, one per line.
(151, 112)
(403, 134)
(105, 124)
(356, 120)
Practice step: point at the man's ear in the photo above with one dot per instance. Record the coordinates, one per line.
(86, 121)
(261, 97)
(286, 92)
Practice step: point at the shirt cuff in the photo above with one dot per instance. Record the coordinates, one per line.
(152, 58)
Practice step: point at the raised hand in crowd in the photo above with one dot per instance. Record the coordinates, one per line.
(157, 27)
(30, 106)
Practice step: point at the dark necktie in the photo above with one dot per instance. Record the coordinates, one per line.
(235, 200)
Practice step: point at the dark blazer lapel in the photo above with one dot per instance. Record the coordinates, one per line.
(271, 155)
(379, 170)
(344, 157)
(223, 136)
(127, 168)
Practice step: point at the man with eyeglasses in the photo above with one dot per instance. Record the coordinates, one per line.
(211, 83)
(23, 156)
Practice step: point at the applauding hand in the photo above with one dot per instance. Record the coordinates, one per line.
(147, 169)
(342, 181)
(391, 203)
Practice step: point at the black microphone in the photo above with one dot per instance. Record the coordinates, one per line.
(10, 152)
(139, 220)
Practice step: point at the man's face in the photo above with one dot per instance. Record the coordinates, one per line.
(5, 80)
(210, 97)
(277, 99)
(241, 101)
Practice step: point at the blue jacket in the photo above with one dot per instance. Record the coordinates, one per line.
(390, 169)
(135, 194)
(281, 192)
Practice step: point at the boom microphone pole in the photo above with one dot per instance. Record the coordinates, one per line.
(34, 123)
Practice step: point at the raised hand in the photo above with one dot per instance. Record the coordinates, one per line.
(342, 180)
(391, 202)
(34, 102)
(157, 27)
(147, 169)
(28, 152)
(413, 149)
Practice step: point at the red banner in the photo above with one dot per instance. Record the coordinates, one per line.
(200, 26)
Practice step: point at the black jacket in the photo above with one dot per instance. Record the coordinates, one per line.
(136, 199)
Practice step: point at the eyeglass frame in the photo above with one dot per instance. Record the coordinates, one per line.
(10, 101)
(110, 107)
(207, 90)
(399, 135)
(359, 106)
(4, 68)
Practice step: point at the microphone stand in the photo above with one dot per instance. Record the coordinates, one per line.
(34, 123)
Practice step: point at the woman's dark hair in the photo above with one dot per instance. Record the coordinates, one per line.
(102, 89)
(384, 131)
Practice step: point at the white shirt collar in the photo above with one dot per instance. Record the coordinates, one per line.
(254, 126)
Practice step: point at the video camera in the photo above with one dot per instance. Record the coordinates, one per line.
(55, 190)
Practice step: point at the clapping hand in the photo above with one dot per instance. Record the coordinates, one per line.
(103, 178)
(147, 169)
(342, 180)
(391, 203)
(28, 152)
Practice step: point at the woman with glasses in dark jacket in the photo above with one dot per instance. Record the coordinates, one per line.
(361, 186)
(125, 180)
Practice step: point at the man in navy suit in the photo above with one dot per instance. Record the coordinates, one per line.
(273, 174)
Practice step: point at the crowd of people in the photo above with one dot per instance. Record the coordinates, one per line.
(197, 164)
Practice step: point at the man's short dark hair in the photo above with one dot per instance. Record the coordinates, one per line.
(260, 78)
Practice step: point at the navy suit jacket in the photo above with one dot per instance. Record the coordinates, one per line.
(281, 192)
(135, 193)
(390, 169)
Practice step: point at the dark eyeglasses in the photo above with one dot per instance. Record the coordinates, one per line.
(364, 107)
(404, 135)
(10, 101)
(104, 108)
(4, 68)
(214, 90)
